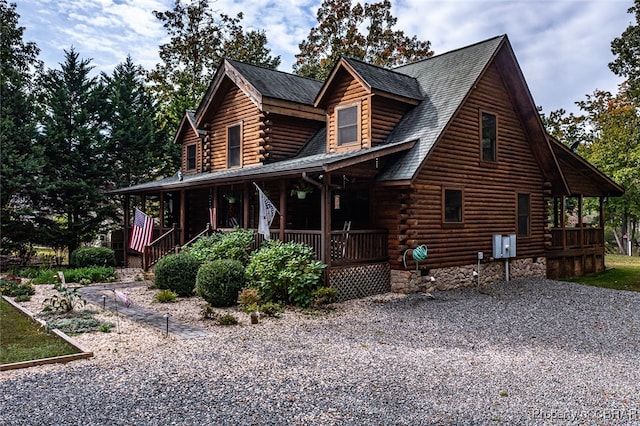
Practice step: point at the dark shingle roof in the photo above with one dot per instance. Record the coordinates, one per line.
(278, 84)
(445, 81)
(385, 80)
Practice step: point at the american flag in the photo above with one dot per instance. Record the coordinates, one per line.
(142, 231)
(267, 212)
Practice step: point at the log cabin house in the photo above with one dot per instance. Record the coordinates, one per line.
(448, 152)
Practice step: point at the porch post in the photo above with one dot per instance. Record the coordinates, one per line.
(602, 213)
(325, 220)
(183, 216)
(125, 238)
(245, 205)
(580, 224)
(161, 212)
(563, 205)
(556, 221)
(214, 203)
(283, 208)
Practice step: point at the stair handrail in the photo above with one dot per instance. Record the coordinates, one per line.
(193, 240)
(158, 248)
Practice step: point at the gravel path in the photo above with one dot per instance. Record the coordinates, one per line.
(524, 352)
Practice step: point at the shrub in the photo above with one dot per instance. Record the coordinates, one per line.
(249, 296)
(227, 319)
(92, 256)
(324, 296)
(271, 309)
(219, 282)
(66, 301)
(93, 274)
(234, 245)
(165, 296)
(14, 287)
(285, 273)
(176, 272)
(208, 312)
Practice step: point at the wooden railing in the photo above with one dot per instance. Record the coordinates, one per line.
(207, 231)
(572, 238)
(359, 246)
(158, 248)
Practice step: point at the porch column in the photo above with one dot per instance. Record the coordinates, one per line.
(563, 205)
(556, 218)
(161, 212)
(183, 216)
(283, 208)
(602, 213)
(580, 223)
(125, 237)
(325, 220)
(245, 205)
(214, 204)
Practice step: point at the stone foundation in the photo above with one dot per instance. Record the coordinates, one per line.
(462, 276)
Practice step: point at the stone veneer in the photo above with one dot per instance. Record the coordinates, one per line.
(410, 281)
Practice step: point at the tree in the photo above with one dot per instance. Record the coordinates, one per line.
(615, 149)
(131, 147)
(74, 146)
(568, 129)
(626, 49)
(198, 43)
(339, 33)
(21, 156)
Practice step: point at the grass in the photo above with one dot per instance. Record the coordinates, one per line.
(623, 274)
(21, 339)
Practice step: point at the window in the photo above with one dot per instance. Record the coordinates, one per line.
(524, 215)
(347, 125)
(453, 206)
(488, 137)
(234, 146)
(191, 157)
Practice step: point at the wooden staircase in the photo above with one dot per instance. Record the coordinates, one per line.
(166, 244)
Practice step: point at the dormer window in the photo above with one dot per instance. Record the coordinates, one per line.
(191, 157)
(348, 125)
(234, 146)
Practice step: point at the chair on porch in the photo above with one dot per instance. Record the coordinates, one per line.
(339, 244)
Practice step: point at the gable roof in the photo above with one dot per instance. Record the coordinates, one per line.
(446, 81)
(188, 122)
(376, 80)
(582, 177)
(259, 83)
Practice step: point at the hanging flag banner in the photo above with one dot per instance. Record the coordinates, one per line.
(142, 231)
(267, 212)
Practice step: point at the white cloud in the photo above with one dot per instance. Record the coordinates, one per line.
(563, 46)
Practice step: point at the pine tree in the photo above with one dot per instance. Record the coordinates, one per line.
(74, 147)
(21, 158)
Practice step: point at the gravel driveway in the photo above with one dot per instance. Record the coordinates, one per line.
(524, 352)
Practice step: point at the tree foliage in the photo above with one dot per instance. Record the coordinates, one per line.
(73, 138)
(360, 31)
(21, 156)
(626, 50)
(132, 148)
(199, 41)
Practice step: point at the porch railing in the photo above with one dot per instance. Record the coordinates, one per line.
(359, 246)
(572, 238)
(158, 248)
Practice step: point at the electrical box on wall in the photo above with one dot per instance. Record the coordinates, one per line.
(504, 246)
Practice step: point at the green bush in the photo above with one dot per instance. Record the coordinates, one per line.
(234, 245)
(176, 272)
(165, 296)
(324, 296)
(92, 256)
(219, 282)
(227, 319)
(93, 274)
(14, 287)
(286, 273)
(271, 309)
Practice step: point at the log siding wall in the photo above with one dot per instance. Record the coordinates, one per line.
(284, 136)
(191, 138)
(235, 108)
(348, 91)
(490, 190)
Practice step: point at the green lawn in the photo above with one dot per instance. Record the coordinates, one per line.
(623, 273)
(21, 339)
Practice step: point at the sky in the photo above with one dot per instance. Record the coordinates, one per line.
(562, 46)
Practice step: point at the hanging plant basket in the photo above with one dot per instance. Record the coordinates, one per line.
(301, 195)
